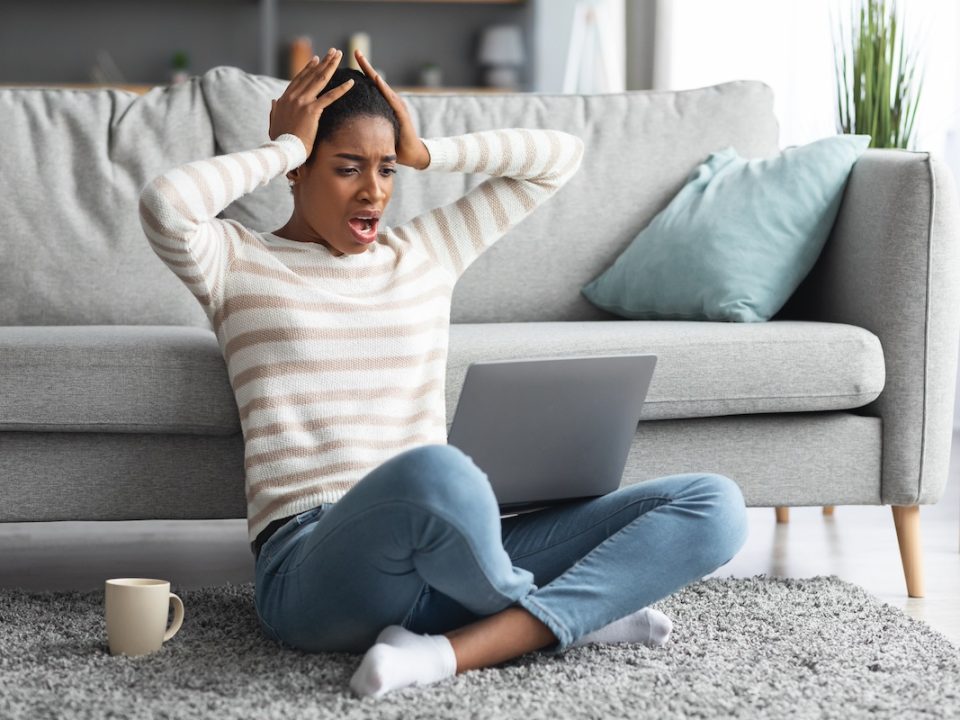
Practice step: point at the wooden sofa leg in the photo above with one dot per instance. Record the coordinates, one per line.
(906, 519)
(783, 513)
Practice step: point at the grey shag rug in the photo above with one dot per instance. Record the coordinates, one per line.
(745, 647)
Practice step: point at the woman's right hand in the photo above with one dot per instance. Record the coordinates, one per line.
(298, 109)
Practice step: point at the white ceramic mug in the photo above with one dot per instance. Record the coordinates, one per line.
(136, 611)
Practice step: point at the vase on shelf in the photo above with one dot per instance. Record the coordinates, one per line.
(301, 50)
(358, 41)
(431, 75)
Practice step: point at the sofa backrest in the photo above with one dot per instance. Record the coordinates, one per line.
(72, 251)
(640, 148)
(74, 162)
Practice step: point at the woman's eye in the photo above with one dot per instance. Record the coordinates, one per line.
(347, 171)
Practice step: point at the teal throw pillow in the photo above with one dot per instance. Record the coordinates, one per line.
(736, 241)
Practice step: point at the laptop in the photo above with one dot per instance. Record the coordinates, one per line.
(551, 430)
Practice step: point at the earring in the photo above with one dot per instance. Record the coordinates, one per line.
(292, 182)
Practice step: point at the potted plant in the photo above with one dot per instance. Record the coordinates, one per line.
(877, 90)
(180, 67)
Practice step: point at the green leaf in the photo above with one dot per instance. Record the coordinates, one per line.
(877, 91)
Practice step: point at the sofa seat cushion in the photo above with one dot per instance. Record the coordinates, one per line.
(115, 378)
(704, 368)
(172, 379)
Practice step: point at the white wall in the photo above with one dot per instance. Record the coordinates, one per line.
(789, 45)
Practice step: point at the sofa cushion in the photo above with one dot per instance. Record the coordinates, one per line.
(703, 369)
(173, 379)
(115, 378)
(74, 161)
(640, 147)
(736, 241)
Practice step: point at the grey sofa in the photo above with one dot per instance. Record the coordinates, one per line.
(115, 399)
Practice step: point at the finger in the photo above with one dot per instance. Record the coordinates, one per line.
(299, 78)
(314, 82)
(339, 91)
(370, 72)
(364, 65)
(323, 72)
(302, 79)
(380, 83)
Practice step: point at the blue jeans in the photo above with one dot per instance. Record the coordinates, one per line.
(419, 542)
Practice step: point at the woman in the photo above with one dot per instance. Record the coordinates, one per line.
(371, 533)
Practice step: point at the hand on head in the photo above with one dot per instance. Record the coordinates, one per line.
(410, 149)
(299, 108)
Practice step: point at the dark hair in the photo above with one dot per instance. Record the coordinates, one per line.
(363, 99)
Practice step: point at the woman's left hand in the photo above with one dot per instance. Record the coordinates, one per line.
(410, 150)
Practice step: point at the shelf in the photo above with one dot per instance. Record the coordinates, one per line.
(141, 89)
(273, 49)
(269, 10)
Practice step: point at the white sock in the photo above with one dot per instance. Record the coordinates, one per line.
(648, 626)
(409, 659)
(398, 636)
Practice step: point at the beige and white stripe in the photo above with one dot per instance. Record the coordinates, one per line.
(528, 167)
(338, 366)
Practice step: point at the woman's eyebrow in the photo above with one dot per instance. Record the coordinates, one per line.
(361, 158)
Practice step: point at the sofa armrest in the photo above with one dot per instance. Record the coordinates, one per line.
(892, 265)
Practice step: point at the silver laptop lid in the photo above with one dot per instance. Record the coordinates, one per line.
(551, 429)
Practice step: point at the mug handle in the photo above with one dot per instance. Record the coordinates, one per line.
(177, 617)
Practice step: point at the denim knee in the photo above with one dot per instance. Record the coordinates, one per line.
(728, 528)
(443, 477)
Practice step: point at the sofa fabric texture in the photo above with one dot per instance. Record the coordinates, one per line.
(167, 379)
(117, 403)
(74, 163)
(642, 146)
(736, 241)
(891, 267)
(779, 459)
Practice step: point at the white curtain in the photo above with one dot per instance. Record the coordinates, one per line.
(595, 61)
(788, 44)
(594, 50)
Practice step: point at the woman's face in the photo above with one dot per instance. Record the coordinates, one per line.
(350, 175)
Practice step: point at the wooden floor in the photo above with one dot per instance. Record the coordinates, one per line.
(858, 544)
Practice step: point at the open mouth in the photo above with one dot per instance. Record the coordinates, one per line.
(364, 229)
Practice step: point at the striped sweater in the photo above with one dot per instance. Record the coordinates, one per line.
(338, 362)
